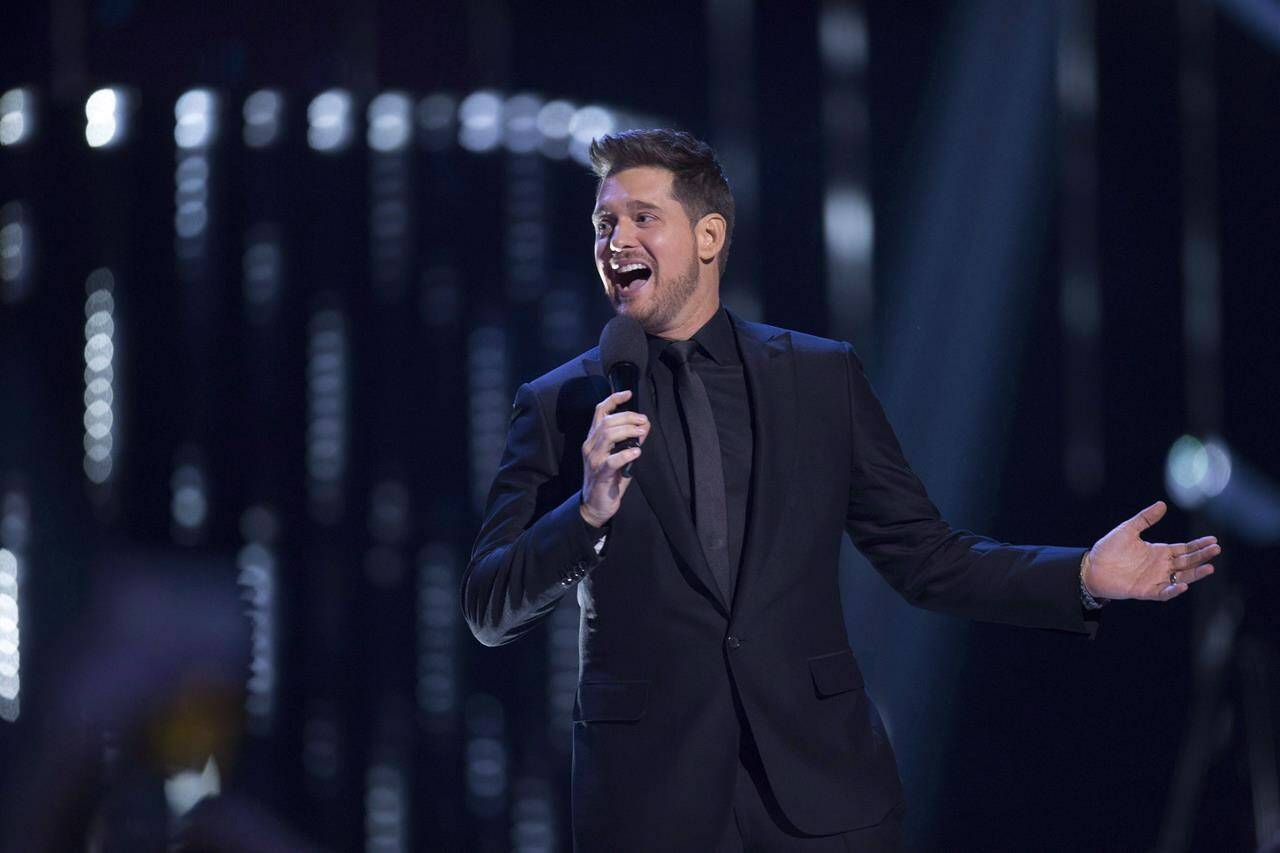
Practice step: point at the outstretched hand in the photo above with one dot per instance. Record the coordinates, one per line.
(1123, 565)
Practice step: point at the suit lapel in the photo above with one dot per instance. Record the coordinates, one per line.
(770, 373)
(656, 478)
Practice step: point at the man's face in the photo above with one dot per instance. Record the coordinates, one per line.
(645, 249)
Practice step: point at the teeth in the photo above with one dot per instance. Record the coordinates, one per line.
(630, 267)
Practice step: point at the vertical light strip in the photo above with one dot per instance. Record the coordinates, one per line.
(437, 687)
(489, 406)
(258, 579)
(326, 413)
(1080, 296)
(526, 212)
(848, 220)
(15, 533)
(17, 252)
(99, 377)
(390, 229)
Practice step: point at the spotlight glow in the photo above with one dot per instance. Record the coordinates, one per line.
(263, 118)
(195, 119)
(390, 122)
(480, 122)
(587, 124)
(99, 376)
(329, 124)
(17, 117)
(106, 118)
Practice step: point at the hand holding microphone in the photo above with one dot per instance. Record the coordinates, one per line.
(617, 428)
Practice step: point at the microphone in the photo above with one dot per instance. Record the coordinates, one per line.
(624, 353)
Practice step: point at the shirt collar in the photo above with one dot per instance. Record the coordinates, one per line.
(715, 339)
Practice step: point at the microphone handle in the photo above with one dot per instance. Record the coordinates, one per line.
(625, 376)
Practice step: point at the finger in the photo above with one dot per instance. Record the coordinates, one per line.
(622, 457)
(612, 435)
(1172, 591)
(608, 404)
(623, 418)
(1148, 516)
(1194, 558)
(1192, 575)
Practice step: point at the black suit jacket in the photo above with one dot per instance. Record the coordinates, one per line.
(664, 659)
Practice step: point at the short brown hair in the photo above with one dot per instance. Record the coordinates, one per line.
(698, 182)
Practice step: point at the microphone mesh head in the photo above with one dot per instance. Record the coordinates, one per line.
(623, 340)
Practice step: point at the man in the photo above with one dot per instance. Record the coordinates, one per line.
(719, 706)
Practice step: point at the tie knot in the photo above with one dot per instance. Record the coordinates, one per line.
(678, 353)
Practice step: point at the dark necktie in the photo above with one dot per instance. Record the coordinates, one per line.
(710, 515)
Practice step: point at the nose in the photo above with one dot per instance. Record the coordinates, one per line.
(622, 237)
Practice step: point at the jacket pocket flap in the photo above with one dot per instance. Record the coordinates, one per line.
(619, 701)
(836, 672)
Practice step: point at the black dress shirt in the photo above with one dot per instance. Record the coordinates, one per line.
(719, 366)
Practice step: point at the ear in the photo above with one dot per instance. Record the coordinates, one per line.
(708, 235)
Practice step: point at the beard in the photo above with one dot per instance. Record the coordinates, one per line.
(666, 302)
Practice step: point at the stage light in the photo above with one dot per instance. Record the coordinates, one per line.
(390, 122)
(189, 504)
(326, 435)
(257, 564)
(480, 122)
(321, 747)
(263, 118)
(486, 756)
(106, 115)
(842, 38)
(386, 809)
(16, 252)
(489, 406)
(99, 376)
(521, 116)
(437, 115)
(17, 117)
(553, 123)
(1196, 471)
(191, 198)
(438, 616)
(10, 628)
(263, 272)
(329, 125)
(532, 816)
(183, 790)
(849, 227)
(195, 119)
(587, 124)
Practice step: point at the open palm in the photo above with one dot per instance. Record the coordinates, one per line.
(1123, 565)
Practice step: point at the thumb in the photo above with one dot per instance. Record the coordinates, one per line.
(1149, 516)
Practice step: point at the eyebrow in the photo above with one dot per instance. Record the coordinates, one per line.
(632, 206)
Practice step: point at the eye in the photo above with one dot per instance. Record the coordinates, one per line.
(602, 228)
(645, 217)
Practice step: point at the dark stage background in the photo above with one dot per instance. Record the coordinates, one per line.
(270, 274)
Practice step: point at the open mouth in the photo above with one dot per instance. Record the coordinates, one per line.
(631, 277)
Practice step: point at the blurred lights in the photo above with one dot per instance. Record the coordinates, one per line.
(521, 116)
(489, 406)
(1196, 471)
(849, 224)
(99, 376)
(16, 252)
(17, 117)
(263, 272)
(532, 817)
(390, 122)
(386, 809)
(480, 121)
(842, 38)
(329, 124)
(195, 119)
(258, 574)
(486, 756)
(437, 114)
(438, 616)
(10, 661)
(106, 118)
(587, 124)
(326, 413)
(183, 790)
(189, 501)
(263, 118)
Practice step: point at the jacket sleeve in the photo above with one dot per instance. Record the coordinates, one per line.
(527, 555)
(894, 524)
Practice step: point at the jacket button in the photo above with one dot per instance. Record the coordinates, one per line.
(732, 642)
